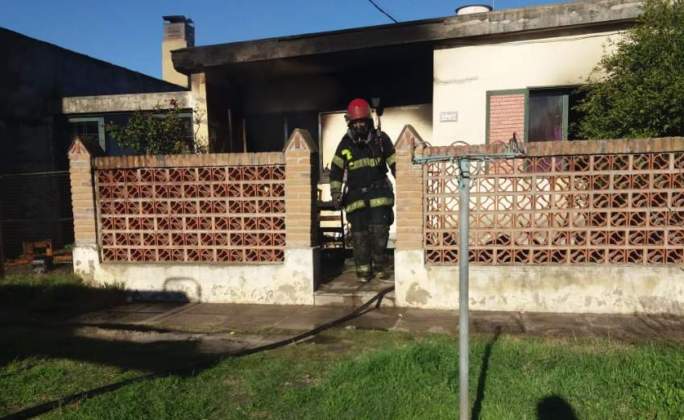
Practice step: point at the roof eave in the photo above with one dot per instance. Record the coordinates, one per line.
(473, 26)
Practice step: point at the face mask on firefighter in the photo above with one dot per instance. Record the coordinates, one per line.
(360, 130)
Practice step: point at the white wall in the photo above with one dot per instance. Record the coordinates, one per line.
(463, 75)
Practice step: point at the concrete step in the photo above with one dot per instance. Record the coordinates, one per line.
(352, 299)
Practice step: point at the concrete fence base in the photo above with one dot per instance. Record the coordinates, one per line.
(276, 251)
(570, 289)
(291, 283)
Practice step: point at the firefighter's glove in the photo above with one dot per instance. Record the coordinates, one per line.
(337, 200)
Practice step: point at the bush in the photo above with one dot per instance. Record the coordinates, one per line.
(156, 132)
(640, 94)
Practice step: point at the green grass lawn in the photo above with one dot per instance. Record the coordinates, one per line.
(376, 375)
(353, 374)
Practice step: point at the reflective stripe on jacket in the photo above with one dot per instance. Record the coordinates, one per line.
(366, 169)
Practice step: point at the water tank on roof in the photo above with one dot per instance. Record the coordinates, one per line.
(468, 9)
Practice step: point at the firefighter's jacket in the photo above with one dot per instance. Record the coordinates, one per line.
(366, 169)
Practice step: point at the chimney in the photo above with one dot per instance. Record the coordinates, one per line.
(468, 9)
(179, 32)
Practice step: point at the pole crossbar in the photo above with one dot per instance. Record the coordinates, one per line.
(512, 150)
(473, 158)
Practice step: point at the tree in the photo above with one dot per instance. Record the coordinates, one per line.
(157, 132)
(641, 93)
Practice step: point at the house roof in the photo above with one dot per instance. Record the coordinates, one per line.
(601, 15)
(12, 37)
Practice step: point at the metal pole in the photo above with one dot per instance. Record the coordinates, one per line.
(2, 249)
(463, 227)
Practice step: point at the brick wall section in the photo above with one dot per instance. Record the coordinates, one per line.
(506, 116)
(409, 191)
(234, 208)
(300, 190)
(82, 198)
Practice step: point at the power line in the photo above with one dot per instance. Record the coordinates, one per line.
(383, 12)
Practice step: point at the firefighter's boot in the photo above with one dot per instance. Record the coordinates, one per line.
(362, 255)
(379, 236)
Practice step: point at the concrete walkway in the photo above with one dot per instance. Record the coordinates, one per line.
(280, 321)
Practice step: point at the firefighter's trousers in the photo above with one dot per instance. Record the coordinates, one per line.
(370, 232)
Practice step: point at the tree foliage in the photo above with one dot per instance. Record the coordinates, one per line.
(641, 93)
(160, 131)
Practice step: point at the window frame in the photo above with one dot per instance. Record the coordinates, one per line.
(566, 107)
(527, 91)
(101, 139)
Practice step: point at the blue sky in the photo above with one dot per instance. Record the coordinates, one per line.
(128, 32)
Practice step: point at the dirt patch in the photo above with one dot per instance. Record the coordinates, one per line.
(332, 344)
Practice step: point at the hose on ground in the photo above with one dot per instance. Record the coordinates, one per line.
(81, 396)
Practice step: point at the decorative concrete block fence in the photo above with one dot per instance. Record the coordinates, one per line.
(585, 226)
(214, 227)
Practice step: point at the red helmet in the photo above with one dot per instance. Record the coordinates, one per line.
(358, 109)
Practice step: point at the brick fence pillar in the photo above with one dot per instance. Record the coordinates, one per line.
(301, 216)
(85, 253)
(300, 190)
(409, 196)
(409, 270)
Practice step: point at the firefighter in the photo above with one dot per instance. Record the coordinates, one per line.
(364, 153)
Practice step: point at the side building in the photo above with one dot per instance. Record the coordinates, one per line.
(35, 132)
